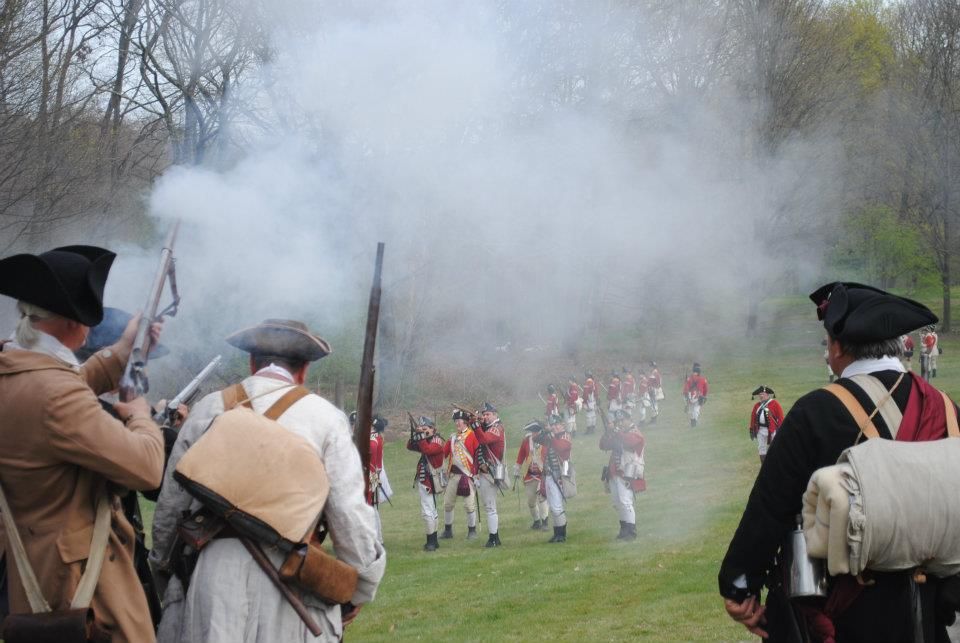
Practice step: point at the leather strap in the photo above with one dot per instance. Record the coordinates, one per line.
(882, 398)
(855, 409)
(289, 398)
(235, 395)
(91, 573)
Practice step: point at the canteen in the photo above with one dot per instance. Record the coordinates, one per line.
(803, 576)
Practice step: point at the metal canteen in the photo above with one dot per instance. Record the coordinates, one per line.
(565, 469)
(803, 576)
(499, 472)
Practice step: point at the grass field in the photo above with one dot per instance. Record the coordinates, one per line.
(662, 587)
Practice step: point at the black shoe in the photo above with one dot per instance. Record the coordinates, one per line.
(630, 531)
(447, 531)
(934, 373)
(493, 541)
(536, 525)
(471, 533)
(544, 526)
(623, 531)
(556, 535)
(591, 429)
(432, 543)
(693, 423)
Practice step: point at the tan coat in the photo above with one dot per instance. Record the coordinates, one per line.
(59, 450)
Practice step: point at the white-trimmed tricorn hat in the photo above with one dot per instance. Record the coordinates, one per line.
(282, 338)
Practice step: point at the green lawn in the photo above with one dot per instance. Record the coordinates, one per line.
(661, 587)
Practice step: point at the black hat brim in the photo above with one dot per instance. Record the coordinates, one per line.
(860, 314)
(281, 340)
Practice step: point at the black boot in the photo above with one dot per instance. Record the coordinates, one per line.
(623, 531)
(544, 526)
(471, 533)
(447, 531)
(432, 543)
(536, 525)
(933, 373)
(693, 423)
(493, 540)
(559, 535)
(630, 531)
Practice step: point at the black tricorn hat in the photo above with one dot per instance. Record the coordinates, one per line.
(696, 367)
(108, 331)
(283, 338)
(551, 388)
(379, 423)
(426, 421)
(589, 374)
(460, 414)
(852, 312)
(487, 407)
(67, 281)
(763, 389)
(555, 419)
(533, 426)
(622, 414)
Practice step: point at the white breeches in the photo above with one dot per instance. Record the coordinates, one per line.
(488, 497)
(613, 407)
(762, 436)
(693, 410)
(555, 500)
(591, 414)
(571, 421)
(622, 496)
(450, 501)
(428, 509)
(536, 502)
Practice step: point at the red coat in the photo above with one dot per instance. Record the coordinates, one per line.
(536, 452)
(552, 407)
(929, 343)
(613, 391)
(629, 386)
(631, 440)
(643, 385)
(376, 462)
(589, 390)
(573, 394)
(655, 381)
(695, 383)
(494, 438)
(908, 343)
(432, 448)
(561, 446)
(471, 445)
(774, 417)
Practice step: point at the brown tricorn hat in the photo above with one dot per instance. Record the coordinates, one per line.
(283, 338)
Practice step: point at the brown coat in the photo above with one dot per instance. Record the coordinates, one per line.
(59, 450)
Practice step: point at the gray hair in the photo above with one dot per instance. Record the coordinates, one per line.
(26, 335)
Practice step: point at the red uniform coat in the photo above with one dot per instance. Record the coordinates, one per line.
(655, 381)
(629, 386)
(552, 407)
(589, 390)
(695, 383)
(573, 394)
(908, 343)
(494, 438)
(537, 454)
(929, 343)
(472, 444)
(432, 448)
(613, 391)
(558, 444)
(376, 463)
(616, 441)
(643, 386)
(773, 417)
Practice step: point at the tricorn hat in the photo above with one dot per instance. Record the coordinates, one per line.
(859, 314)
(696, 367)
(763, 389)
(283, 338)
(621, 414)
(108, 331)
(533, 426)
(379, 423)
(488, 408)
(460, 414)
(426, 421)
(589, 374)
(68, 281)
(551, 388)
(555, 419)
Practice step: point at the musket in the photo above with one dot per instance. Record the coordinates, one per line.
(168, 414)
(365, 390)
(134, 382)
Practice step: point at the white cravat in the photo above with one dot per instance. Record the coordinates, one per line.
(48, 345)
(872, 365)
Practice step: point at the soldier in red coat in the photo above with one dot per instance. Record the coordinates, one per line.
(573, 405)
(558, 474)
(695, 394)
(461, 453)
(929, 351)
(628, 390)
(379, 488)
(765, 419)
(529, 466)
(429, 478)
(614, 401)
(490, 475)
(552, 402)
(656, 391)
(908, 347)
(624, 475)
(590, 402)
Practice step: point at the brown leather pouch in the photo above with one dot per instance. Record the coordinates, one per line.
(62, 626)
(199, 528)
(316, 571)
